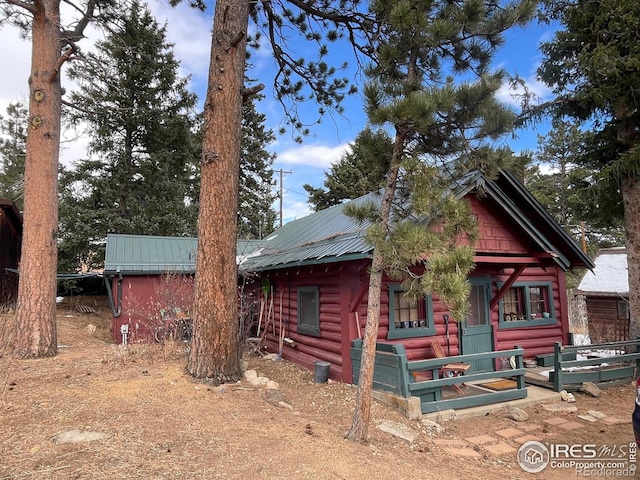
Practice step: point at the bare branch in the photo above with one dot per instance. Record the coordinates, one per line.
(248, 92)
(63, 58)
(69, 36)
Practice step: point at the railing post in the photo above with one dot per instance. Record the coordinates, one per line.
(519, 365)
(557, 365)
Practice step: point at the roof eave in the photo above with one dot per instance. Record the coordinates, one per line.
(308, 262)
(535, 204)
(543, 243)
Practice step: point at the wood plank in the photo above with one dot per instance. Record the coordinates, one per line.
(607, 374)
(473, 401)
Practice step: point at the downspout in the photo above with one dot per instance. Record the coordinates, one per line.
(115, 309)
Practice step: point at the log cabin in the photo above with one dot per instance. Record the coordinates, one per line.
(312, 276)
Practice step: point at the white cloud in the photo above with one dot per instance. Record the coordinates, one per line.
(512, 97)
(15, 56)
(294, 209)
(189, 30)
(316, 155)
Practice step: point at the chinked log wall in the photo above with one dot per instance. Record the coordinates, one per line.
(309, 349)
(535, 340)
(340, 286)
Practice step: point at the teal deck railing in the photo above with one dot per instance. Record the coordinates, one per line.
(619, 368)
(394, 373)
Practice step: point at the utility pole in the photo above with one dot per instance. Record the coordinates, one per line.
(282, 173)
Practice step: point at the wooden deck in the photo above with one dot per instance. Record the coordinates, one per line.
(532, 376)
(567, 373)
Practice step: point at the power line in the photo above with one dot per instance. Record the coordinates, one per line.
(282, 173)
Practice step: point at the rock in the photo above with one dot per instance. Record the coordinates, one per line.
(443, 416)
(274, 397)
(596, 414)
(271, 385)
(431, 427)
(270, 356)
(571, 398)
(399, 430)
(558, 408)
(517, 414)
(77, 436)
(250, 375)
(564, 395)
(259, 381)
(244, 365)
(590, 388)
(587, 417)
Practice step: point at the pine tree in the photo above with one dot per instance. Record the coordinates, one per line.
(567, 190)
(54, 42)
(143, 146)
(215, 352)
(13, 143)
(256, 216)
(438, 126)
(359, 171)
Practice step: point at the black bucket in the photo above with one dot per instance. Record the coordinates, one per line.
(322, 371)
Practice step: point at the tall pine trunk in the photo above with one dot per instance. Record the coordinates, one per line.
(631, 200)
(35, 318)
(215, 353)
(362, 412)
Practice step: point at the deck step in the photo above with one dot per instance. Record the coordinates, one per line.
(546, 360)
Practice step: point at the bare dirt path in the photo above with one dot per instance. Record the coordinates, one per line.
(163, 425)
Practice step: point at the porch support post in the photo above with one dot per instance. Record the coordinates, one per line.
(557, 366)
(507, 285)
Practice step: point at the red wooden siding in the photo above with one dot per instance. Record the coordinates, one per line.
(142, 299)
(310, 349)
(496, 236)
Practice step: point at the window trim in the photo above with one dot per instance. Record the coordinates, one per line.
(622, 306)
(397, 333)
(313, 331)
(551, 320)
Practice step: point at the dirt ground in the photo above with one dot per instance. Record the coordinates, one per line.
(161, 424)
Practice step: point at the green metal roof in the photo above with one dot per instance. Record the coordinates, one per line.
(325, 236)
(147, 254)
(141, 254)
(330, 236)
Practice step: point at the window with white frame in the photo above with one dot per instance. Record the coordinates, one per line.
(623, 310)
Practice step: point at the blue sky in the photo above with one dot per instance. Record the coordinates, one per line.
(189, 31)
